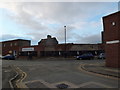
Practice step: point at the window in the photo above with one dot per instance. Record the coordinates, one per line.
(3, 45)
(113, 23)
(11, 44)
(15, 44)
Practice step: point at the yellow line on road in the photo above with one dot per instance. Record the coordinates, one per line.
(19, 82)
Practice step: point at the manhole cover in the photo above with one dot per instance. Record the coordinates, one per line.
(62, 86)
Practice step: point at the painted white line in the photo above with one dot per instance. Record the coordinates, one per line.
(43, 82)
(112, 42)
(94, 83)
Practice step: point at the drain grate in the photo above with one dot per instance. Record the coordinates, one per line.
(62, 86)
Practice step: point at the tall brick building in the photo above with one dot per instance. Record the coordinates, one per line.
(111, 36)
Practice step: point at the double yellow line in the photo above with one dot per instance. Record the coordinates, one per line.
(19, 82)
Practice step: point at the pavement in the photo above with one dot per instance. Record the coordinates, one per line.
(102, 70)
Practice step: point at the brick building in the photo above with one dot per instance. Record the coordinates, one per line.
(14, 46)
(49, 41)
(111, 36)
(48, 47)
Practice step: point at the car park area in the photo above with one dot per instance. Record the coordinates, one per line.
(54, 73)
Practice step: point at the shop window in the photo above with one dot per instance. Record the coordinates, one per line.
(33, 53)
(23, 53)
(11, 44)
(91, 46)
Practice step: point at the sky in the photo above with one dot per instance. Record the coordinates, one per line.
(35, 20)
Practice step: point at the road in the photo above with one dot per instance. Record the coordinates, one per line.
(50, 73)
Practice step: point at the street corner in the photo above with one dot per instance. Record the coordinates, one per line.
(100, 70)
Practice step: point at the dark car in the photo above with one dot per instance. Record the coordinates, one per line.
(9, 57)
(85, 56)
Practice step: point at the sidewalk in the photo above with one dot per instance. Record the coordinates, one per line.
(46, 58)
(101, 69)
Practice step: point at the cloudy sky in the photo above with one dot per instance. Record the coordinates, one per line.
(35, 20)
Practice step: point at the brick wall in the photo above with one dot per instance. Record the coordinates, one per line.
(111, 25)
(13, 45)
(112, 55)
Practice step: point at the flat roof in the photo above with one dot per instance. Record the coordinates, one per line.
(111, 14)
(16, 40)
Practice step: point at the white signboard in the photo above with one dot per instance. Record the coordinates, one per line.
(28, 49)
(112, 42)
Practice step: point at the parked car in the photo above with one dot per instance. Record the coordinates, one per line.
(101, 56)
(9, 57)
(85, 56)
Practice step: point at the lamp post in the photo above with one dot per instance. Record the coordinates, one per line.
(65, 40)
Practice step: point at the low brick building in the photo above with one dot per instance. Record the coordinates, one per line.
(48, 47)
(14, 46)
(111, 36)
(54, 49)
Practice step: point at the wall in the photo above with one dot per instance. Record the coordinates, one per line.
(111, 25)
(13, 45)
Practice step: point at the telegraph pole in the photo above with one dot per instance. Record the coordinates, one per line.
(65, 41)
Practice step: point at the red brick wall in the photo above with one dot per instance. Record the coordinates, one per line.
(112, 55)
(111, 33)
(119, 55)
(16, 45)
(7, 49)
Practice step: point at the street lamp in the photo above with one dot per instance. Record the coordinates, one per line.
(65, 40)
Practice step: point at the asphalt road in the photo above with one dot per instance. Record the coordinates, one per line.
(7, 74)
(50, 73)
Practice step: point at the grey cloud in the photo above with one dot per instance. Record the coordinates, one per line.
(72, 36)
(92, 39)
(37, 16)
(61, 33)
(26, 19)
(10, 37)
(6, 37)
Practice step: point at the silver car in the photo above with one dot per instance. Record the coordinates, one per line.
(101, 56)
